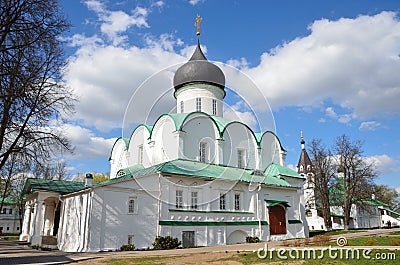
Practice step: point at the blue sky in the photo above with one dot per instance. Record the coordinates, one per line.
(326, 68)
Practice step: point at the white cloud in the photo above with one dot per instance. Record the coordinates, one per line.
(384, 163)
(369, 125)
(195, 2)
(239, 112)
(352, 62)
(330, 112)
(241, 63)
(86, 144)
(106, 78)
(113, 23)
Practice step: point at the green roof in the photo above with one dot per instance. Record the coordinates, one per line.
(202, 170)
(278, 170)
(376, 202)
(8, 200)
(59, 186)
(272, 203)
(391, 211)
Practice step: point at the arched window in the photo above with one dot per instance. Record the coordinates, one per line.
(198, 104)
(203, 152)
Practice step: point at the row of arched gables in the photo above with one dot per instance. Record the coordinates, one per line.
(180, 122)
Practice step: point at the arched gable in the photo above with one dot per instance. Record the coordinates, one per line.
(118, 158)
(271, 149)
(240, 145)
(138, 147)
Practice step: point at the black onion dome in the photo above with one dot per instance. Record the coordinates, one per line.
(199, 70)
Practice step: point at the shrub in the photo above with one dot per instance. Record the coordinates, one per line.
(167, 242)
(321, 239)
(128, 247)
(252, 239)
(35, 246)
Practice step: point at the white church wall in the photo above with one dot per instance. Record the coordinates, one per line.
(112, 220)
(238, 138)
(199, 129)
(139, 140)
(270, 150)
(73, 233)
(118, 157)
(206, 92)
(164, 141)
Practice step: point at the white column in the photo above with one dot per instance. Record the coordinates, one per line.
(37, 223)
(180, 141)
(219, 151)
(283, 158)
(258, 158)
(49, 218)
(26, 223)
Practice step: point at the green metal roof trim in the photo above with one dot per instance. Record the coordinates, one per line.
(221, 124)
(271, 203)
(210, 223)
(127, 140)
(391, 211)
(59, 186)
(376, 202)
(202, 170)
(278, 170)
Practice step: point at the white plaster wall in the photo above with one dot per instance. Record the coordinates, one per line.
(73, 232)
(118, 157)
(237, 136)
(10, 221)
(207, 93)
(139, 137)
(199, 129)
(270, 150)
(165, 140)
(111, 223)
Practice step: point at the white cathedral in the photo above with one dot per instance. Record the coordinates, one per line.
(193, 175)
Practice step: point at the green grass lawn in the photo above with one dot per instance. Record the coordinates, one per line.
(372, 241)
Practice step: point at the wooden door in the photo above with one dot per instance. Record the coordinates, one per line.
(277, 220)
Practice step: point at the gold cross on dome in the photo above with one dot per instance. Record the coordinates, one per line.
(197, 24)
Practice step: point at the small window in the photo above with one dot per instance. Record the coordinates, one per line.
(237, 202)
(4, 210)
(17, 228)
(194, 200)
(222, 202)
(130, 239)
(140, 154)
(198, 104)
(241, 158)
(182, 107)
(8, 228)
(203, 152)
(179, 199)
(132, 205)
(214, 107)
(10, 211)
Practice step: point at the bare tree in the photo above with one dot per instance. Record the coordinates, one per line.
(323, 178)
(357, 175)
(14, 166)
(33, 97)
